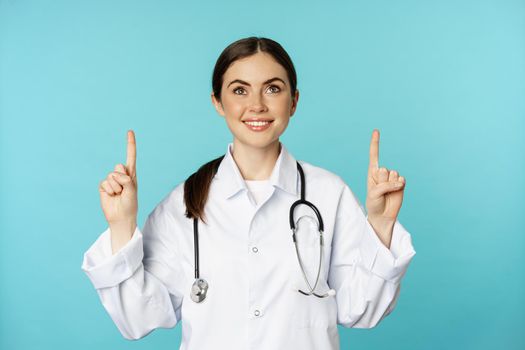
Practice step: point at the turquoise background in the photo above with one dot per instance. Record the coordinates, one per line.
(444, 81)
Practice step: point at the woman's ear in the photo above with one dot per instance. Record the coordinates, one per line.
(294, 103)
(217, 104)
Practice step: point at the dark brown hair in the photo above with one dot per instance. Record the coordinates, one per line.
(197, 185)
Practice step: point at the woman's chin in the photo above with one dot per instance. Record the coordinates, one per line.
(256, 142)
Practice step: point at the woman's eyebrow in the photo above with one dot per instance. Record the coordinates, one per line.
(266, 82)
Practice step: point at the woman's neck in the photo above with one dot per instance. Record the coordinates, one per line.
(255, 163)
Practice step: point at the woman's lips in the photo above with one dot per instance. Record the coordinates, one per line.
(258, 126)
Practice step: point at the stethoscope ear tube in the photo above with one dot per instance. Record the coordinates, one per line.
(196, 246)
(302, 200)
(312, 206)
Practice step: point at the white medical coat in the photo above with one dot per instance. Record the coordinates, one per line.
(248, 258)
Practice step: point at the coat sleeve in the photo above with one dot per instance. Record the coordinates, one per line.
(365, 274)
(139, 286)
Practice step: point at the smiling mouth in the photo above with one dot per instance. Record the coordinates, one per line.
(258, 122)
(258, 125)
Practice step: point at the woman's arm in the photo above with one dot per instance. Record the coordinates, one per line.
(364, 272)
(138, 285)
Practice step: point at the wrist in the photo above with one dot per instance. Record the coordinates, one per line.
(383, 229)
(381, 221)
(124, 224)
(121, 233)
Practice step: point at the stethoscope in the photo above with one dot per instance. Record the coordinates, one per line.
(200, 287)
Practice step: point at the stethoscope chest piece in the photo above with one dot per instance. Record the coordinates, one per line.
(199, 290)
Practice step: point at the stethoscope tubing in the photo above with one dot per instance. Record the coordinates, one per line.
(200, 286)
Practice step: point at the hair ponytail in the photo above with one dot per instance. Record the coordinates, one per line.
(196, 188)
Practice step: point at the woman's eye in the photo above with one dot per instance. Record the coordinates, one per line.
(274, 88)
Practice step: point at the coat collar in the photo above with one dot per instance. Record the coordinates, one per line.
(284, 174)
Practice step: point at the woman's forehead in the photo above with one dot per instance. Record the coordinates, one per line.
(257, 68)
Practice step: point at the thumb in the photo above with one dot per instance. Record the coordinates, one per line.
(123, 180)
(121, 169)
(385, 187)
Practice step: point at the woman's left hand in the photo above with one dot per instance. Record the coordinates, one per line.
(384, 194)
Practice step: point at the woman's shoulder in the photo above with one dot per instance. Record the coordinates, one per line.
(317, 170)
(172, 203)
(331, 184)
(322, 176)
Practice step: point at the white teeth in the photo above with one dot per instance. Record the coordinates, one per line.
(257, 123)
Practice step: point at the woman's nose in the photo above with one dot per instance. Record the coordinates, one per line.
(257, 104)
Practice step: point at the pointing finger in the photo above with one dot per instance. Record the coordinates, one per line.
(132, 154)
(374, 150)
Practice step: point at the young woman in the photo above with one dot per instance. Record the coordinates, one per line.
(255, 250)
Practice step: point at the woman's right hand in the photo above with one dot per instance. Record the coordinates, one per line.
(118, 194)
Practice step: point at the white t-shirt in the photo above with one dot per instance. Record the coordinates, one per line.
(259, 189)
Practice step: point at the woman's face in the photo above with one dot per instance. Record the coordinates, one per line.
(256, 90)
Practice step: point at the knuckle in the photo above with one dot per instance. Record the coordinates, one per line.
(118, 176)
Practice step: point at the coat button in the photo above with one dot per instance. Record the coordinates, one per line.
(255, 250)
(257, 313)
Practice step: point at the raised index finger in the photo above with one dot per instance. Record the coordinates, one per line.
(374, 150)
(132, 153)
